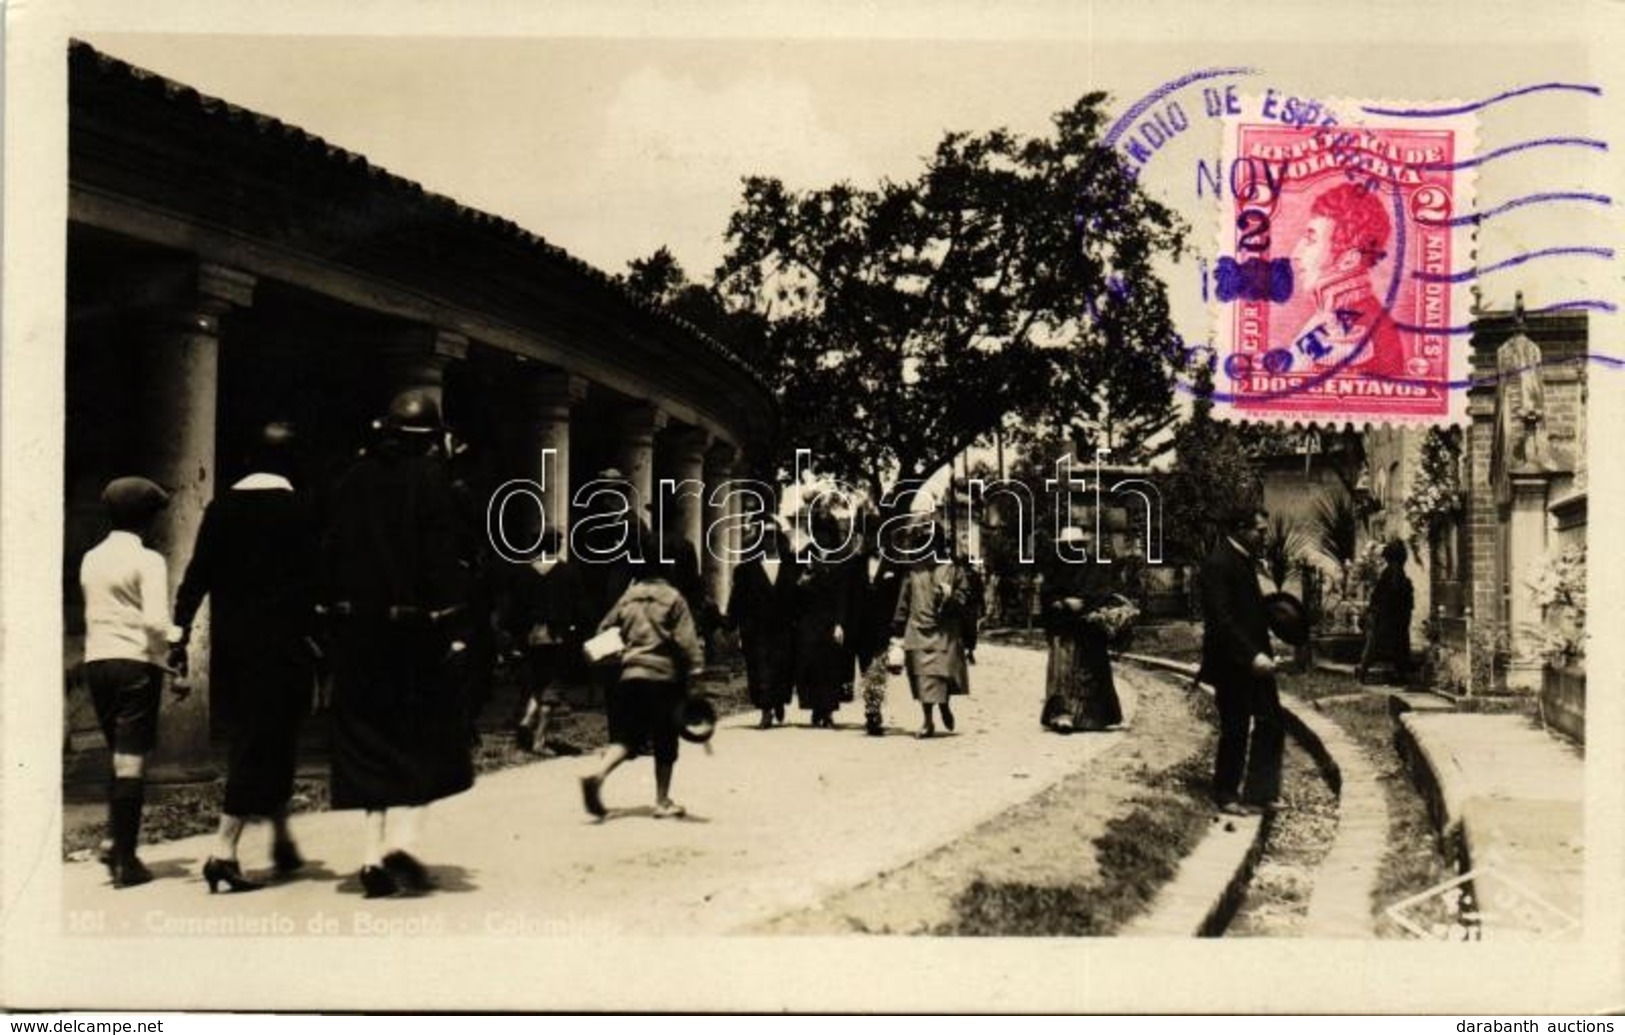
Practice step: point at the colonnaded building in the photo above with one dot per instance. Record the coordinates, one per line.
(225, 269)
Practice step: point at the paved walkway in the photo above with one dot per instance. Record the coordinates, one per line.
(779, 820)
(1515, 794)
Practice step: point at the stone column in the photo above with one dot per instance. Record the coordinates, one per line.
(415, 359)
(553, 393)
(683, 512)
(1526, 546)
(715, 569)
(179, 401)
(634, 449)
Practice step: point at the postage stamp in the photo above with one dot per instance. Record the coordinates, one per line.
(1336, 282)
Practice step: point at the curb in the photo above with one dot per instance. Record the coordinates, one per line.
(1228, 899)
(1176, 905)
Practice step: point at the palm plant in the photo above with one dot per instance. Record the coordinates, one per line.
(1335, 527)
(1284, 544)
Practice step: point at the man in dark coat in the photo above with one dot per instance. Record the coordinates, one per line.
(1237, 660)
(255, 559)
(398, 590)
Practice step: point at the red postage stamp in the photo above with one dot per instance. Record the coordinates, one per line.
(1336, 278)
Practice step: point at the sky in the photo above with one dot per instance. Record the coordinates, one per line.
(613, 145)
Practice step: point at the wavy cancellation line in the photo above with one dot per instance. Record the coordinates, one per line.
(1517, 260)
(1595, 305)
(1511, 149)
(1432, 113)
(1478, 218)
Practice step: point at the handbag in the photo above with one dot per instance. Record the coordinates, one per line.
(605, 648)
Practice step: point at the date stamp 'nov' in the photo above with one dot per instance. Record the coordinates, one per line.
(1335, 281)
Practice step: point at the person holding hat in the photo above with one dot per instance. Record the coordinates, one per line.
(930, 613)
(661, 659)
(255, 559)
(762, 607)
(547, 613)
(1238, 661)
(1388, 617)
(1079, 692)
(398, 592)
(127, 637)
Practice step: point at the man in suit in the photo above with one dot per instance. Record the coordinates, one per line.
(1237, 660)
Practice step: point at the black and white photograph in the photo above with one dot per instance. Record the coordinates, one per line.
(804, 508)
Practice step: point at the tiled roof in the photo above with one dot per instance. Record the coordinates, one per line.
(295, 139)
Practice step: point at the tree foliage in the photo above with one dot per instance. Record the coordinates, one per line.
(1213, 475)
(1011, 276)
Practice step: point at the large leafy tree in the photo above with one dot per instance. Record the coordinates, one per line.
(1012, 276)
(1213, 474)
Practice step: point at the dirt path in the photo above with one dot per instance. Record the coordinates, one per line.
(780, 820)
(1042, 850)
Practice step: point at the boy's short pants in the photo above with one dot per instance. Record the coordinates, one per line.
(643, 717)
(126, 694)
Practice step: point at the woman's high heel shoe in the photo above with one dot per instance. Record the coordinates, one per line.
(227, 872)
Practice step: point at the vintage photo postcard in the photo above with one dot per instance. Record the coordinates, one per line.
(1063, 507)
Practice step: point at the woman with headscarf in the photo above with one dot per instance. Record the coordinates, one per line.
(930, 618)
(762, 607)
(823, 664)
(1079, 694)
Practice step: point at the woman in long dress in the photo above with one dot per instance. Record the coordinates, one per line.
(1079, 693)
(823, 656)
(762, 607)
(1388, 618)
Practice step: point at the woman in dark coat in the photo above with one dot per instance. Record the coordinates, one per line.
(400, 729)
(1388, 618)
(823, 659)
(762, 607)
(1079, 693)
(255, 559)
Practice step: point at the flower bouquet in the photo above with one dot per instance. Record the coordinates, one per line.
(1115, 618)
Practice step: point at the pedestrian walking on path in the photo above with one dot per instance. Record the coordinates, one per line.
(127, 636)
(823, 659)
(1078, 690)
(255, 559)
(874, 583)
(929, 616)
(659, 661)
(398, 593)
(1237, 660)
(762, 607)
(548, 612)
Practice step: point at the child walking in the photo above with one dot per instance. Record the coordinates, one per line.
(661, 657)
(128, 634)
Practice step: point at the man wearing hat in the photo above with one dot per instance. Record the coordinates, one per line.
(1237, 660)
(127, 636)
